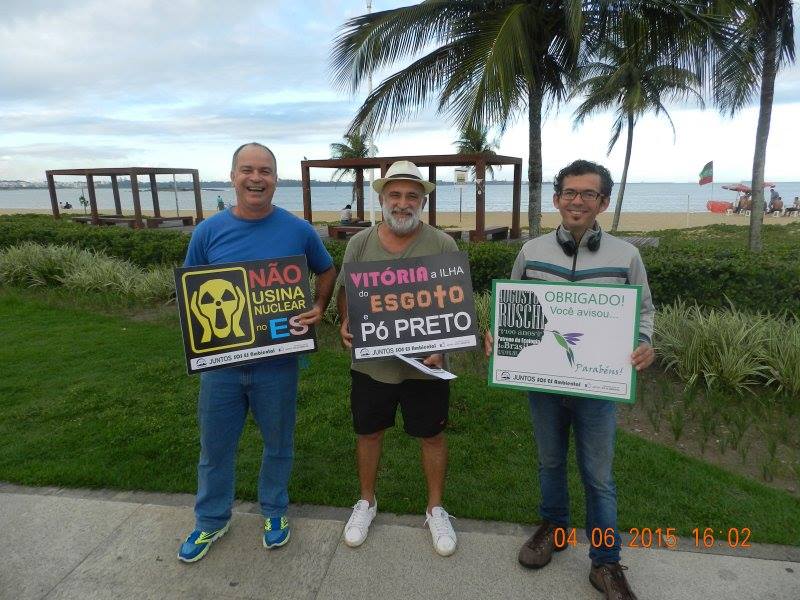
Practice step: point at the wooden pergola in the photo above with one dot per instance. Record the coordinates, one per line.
(432, 161)
(133, 173)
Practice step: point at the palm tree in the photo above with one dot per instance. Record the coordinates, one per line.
(474, 140)
(766, 43)
(632, 78)
(491, 61)
(355, 146)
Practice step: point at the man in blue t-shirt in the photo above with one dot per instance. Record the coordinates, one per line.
(254, 229)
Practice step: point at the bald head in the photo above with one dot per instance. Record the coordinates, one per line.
(255, 145)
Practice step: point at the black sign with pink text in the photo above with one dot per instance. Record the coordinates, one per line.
(412, 306)
(243, 313)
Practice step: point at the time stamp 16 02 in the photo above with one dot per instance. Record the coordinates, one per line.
(659, 537)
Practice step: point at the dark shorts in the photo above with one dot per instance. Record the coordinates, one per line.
(424, 403)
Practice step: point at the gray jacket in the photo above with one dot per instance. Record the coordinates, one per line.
(615, 261)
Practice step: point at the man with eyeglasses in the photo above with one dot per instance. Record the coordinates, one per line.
(579, 251)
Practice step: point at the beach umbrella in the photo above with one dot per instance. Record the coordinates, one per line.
(741, 187)
(737, 187)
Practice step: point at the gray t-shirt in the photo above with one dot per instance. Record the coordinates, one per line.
(366, 246)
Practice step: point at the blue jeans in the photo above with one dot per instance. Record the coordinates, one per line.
(269, 390)
(594, 423)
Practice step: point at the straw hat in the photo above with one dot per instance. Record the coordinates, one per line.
(403, 169)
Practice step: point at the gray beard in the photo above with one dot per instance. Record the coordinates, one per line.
(402, 226)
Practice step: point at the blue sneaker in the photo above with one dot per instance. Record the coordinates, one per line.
(198, 543)
(276, 532)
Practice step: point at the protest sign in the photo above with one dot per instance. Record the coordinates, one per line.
(566, 338)
(412, 306)
(242, 313)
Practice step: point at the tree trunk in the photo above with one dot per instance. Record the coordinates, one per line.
(535, 96)
(768, 72)
(621, 192)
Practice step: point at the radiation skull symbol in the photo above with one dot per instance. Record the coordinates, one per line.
(218, 305)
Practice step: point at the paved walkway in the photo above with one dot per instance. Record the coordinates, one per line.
(85, 545)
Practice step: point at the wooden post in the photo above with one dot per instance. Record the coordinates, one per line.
(384, 168)
(432, 197)
(198, 200)
(154, 194)
(137, 207)
(115, 189)
(92, 199)
(51, 185)
(305, 173)
(360, 193)
(480, 199)
(515, 229)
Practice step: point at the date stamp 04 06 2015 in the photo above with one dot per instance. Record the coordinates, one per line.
(645, 537)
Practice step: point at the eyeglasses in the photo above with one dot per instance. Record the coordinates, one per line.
(587, 195)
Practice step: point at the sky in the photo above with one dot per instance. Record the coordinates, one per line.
(113, 83)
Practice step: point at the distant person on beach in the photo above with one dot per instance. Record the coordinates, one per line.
(66, 205)
(220, 203)
(773, 193)
(254, 229)
(794, 208)
(775, 205)
(378, 387)
(346, 215)
(579, 250)
(745, 203)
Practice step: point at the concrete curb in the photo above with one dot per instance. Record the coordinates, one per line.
(331, 513)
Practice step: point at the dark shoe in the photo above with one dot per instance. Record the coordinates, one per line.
(610, 579)
(538, 550)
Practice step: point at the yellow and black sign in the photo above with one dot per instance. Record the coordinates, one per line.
(235, 314)
(218, 307)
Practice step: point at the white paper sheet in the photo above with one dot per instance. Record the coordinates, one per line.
(417, 364)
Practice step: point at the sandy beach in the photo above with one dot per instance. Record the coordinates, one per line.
(635, 221)
(641, 221)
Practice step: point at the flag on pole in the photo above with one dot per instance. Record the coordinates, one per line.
(707, 174)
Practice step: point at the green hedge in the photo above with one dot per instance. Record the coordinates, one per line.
(489, 260)
(706, 265)
(141, 247)
(752, 282)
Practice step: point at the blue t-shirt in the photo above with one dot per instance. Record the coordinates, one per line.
(226, 238)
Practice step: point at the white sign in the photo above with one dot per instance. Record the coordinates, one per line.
(460, 175)
(565, 338)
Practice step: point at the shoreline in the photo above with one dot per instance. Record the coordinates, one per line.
(632, 221)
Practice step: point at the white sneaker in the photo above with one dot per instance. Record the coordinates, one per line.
(444, 537)
(357, 528)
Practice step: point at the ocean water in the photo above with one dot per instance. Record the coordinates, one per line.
(639, 197)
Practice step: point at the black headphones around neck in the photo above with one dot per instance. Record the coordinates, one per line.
(570, 247)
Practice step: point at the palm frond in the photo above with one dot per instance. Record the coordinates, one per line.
(368, 43)
(404, 93)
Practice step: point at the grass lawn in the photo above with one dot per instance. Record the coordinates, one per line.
(102, 400)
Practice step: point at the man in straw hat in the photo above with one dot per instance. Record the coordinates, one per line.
(379, 386)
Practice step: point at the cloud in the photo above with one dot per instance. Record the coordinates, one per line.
(208, 121)
(101, 82)
(114, 51)
(63, 151)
